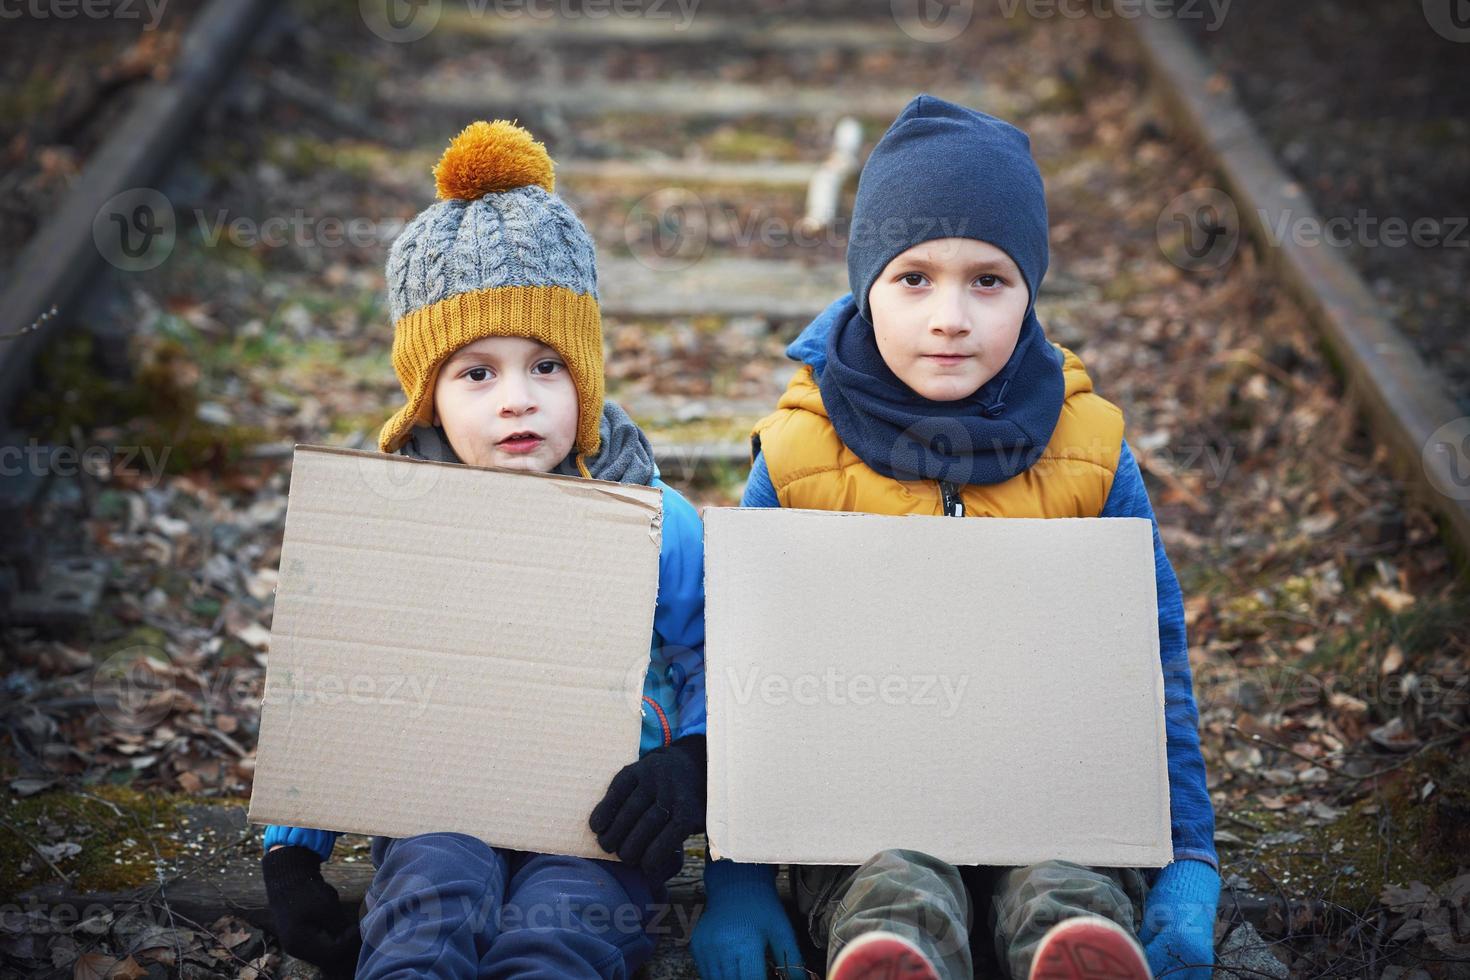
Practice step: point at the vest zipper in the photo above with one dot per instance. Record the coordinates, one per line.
(950, 494)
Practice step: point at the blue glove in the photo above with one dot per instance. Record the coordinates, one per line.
(743, 917)
(1178, 933)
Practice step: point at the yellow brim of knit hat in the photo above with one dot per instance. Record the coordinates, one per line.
(569, 323)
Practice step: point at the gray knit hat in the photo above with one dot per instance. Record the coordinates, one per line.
(500, 255)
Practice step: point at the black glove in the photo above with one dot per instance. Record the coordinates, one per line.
(652, 805)
(310, 920)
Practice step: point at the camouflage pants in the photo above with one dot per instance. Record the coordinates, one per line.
(935, 905)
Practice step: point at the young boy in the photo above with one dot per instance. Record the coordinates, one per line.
(931, 389)
(498, 345)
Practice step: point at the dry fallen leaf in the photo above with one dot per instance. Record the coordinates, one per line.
(1394, 600)
(1392, 660)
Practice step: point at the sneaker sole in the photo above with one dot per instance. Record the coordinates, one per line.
(1090, 949)
(881, 958)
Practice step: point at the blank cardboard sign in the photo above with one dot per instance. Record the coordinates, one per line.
(454, 648)
(986, 691)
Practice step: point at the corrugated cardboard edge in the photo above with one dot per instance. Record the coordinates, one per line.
(632, 492)
(715, 706)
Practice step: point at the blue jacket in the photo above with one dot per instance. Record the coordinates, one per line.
(1191, 814)
(673, 691)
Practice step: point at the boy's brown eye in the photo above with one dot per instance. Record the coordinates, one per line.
(912, 279)
(477, 374)
(550, 365)
(987, 281)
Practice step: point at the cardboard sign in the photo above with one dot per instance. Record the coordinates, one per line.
(454, 648)
(986, 691)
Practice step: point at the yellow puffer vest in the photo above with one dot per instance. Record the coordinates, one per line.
(811, 468)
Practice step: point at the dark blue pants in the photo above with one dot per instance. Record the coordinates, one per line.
(450, 905)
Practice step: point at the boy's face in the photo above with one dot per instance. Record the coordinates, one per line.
(507, 401)
(946, 315)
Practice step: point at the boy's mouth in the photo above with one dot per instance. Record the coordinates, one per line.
(947, 358)
(520, 442)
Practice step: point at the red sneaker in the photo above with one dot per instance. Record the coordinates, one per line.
(880, 955)
(1089, 947)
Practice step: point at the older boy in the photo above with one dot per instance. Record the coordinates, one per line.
(498, 346)
(932, 389)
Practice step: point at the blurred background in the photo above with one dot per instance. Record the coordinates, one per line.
(1259, 249)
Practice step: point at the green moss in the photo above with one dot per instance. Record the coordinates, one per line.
(118, 830)
(70, 393)
(1391, 837)
(301, 155)
(738, 144)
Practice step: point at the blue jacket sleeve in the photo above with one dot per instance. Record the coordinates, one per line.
(758, 489)
(321, 841)
(678, 616)
(1191, 814)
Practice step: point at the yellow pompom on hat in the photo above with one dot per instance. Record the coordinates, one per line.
(499, 255)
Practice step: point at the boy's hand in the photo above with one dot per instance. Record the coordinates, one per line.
(652, 805)
(1178, 933)
(310, 920)
(743, 919)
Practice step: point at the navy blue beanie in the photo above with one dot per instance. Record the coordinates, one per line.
(945, 171)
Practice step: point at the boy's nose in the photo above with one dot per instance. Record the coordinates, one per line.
(515, 397)
(949, 323)
(949, 316)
